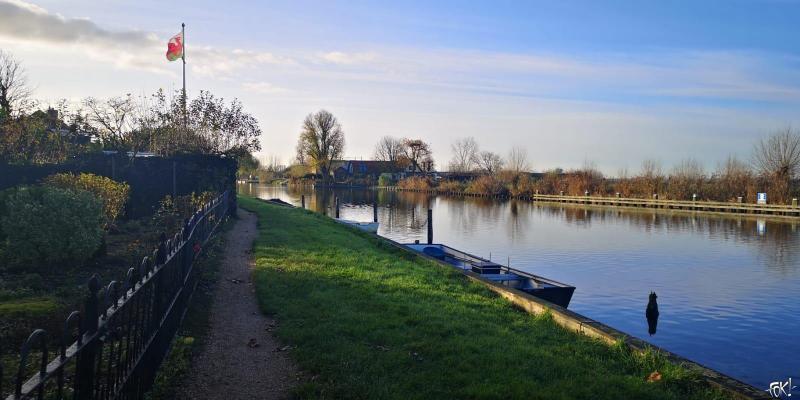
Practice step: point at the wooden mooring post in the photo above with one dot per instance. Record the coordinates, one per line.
(303, 201)
(430, 226)
(375, 211)
(337, 208)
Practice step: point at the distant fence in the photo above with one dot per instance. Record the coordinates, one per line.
(112, 349)
(778, 210)
(150, 178)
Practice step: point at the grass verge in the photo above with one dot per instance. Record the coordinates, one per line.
(371, 321)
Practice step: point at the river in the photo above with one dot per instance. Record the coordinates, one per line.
(727, 286)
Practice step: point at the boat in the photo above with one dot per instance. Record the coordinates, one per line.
(546, 289)
(364, 226)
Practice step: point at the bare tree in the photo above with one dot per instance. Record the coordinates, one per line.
(114, 118)
(490, 162)
(652, 176)
(14, 90)
(273, 164)
(777, 161)
(686, 179)
(321, 141)
(733, 178)
(465, 155)
(389, 149)
(651, 168)
(778, 155)
(418, 154)
(518, 160)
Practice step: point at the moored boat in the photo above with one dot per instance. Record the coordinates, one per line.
(365, 226)
(547, 289)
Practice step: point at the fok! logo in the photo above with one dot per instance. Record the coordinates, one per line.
(781, 389)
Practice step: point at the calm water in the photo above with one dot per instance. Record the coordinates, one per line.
(727, 287)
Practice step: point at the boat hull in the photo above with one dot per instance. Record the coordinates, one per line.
(546, 289)
(364, 226)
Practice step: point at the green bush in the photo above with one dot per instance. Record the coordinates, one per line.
(113, 194)
(44, 225)
(172, 211)
(385, 180)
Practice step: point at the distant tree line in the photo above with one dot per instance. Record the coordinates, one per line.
(773, 168)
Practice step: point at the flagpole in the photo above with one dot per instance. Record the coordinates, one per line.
(183, 56)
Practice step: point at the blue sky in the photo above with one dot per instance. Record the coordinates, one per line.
(609, 82)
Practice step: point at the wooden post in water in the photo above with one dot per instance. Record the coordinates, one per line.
(337, 208)
(430, 226)
(375, 211)
(303, 201)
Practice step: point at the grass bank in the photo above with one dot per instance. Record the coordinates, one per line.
(371, 321)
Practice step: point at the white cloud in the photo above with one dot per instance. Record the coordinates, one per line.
(263, 88)
(25, 22)
(338, 57)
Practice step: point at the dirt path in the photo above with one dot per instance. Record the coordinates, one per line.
(240, 358)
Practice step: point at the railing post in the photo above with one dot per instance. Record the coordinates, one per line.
(85, 364)
(430, 226)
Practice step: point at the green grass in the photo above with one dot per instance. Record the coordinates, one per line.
(29, 308)
(371, 321)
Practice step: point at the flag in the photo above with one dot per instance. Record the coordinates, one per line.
(175, 47)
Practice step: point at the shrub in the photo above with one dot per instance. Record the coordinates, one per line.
(451, 187)
(113, 194)
(524, 186)
(415, 183)
(47, 225)
(172, 211)
(488, 185)
(385, 180)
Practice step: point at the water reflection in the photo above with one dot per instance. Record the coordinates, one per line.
(729, 283)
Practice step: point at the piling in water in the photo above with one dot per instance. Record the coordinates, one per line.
(430, 226)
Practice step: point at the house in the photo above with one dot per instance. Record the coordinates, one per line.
(348, 171)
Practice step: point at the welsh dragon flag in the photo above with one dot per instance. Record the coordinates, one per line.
(175, 47)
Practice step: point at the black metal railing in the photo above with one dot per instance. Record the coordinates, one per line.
(112, 349)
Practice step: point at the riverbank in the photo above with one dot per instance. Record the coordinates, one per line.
(366, 320)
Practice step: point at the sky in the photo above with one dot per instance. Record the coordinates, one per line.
(573, 82)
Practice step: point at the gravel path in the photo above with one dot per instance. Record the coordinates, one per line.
(240, 358)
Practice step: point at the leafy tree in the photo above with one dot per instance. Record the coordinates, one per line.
(219, 128)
